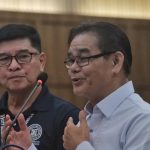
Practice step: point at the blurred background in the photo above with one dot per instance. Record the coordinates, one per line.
(54, 18)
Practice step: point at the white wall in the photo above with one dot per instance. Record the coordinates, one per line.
(105, 8)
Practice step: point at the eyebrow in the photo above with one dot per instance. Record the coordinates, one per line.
(83, 50)
(79, 51)
(22, 50)
(18, 51)
(1, 54)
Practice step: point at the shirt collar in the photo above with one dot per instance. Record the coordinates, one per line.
(109, 104)
(38, 105)
(3, 103)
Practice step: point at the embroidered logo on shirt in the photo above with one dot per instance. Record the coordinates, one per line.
(2, 122)
(35, 131)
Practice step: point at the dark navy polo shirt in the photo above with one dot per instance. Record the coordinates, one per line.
(46, 119)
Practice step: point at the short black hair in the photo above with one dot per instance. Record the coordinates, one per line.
(110, 38)
(20, 31)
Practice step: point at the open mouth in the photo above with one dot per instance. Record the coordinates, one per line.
(77, 81)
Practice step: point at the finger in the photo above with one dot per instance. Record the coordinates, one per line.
(70, 121)
(7, 117)
(63, 137)
(9, 140)
(66, 134)
(65, 131)
(8, 121)
(82, 119)
(5, 131)
(11, 137)
(22, 123)
(65, 142)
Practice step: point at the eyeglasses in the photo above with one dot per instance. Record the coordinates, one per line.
(83, 61)
(21, 57)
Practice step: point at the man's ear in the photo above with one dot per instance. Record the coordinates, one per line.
(113, 63)
(42, 61)
(117, 61)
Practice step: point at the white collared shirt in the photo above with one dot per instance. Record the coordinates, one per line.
(121, 121)
(32, 147)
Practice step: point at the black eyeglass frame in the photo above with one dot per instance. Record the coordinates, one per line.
(67, 61)
(17, 58)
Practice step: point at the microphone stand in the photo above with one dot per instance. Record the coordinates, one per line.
(3, 145)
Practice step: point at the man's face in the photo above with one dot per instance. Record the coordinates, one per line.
(92, 80)
(20, 76)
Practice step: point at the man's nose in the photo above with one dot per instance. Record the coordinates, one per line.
(75, 67)
(14, 65)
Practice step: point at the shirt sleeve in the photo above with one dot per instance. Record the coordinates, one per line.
(32, 147)
(85, 145)
(138, 135)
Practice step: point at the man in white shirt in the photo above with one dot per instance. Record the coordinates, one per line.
(115, 118)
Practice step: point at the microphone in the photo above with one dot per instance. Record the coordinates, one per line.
(41, 79)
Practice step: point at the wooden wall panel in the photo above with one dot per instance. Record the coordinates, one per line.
(140, 36)
(54, 32)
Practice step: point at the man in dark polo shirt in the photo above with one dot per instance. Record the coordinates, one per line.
(21, 62)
